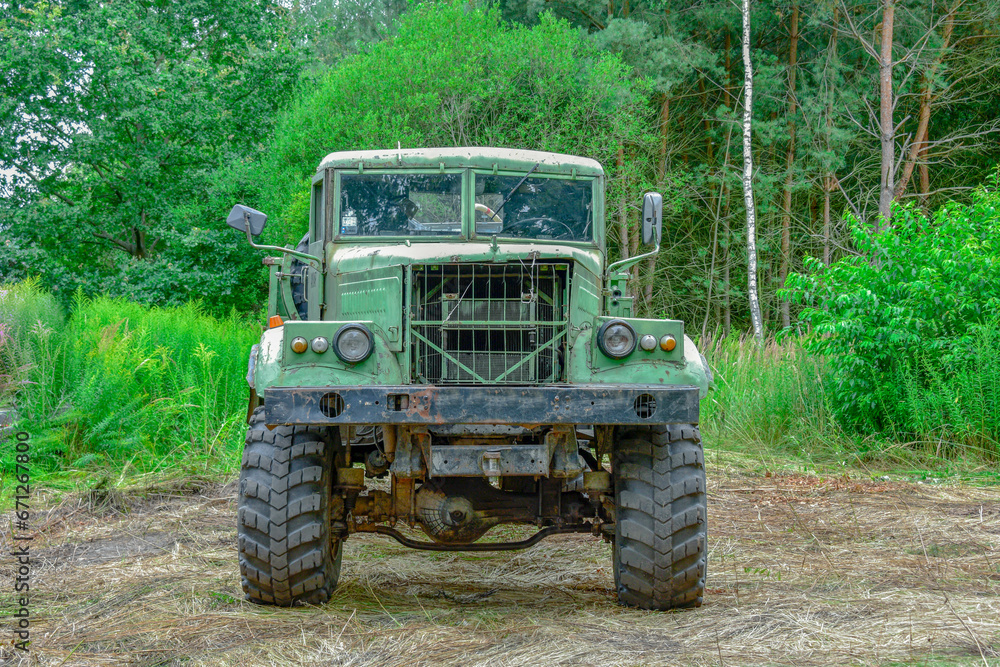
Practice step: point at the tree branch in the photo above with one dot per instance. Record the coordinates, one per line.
(127, 247)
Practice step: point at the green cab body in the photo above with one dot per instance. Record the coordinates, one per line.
(451, 321)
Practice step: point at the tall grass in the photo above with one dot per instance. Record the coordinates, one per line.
(774, 400)
(24, 309)
(768, 400)
(128, 386)
(122, 387)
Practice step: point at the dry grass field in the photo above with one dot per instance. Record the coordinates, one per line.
(803, 570)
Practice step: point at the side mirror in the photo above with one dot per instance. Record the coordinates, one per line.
(241, 216)
(652, 218)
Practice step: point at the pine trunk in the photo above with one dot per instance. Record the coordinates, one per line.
(918, 149)
(786, 194)
(661, 167)
(727, 313)
(827, 188)
(660, 174)
(887, 134)
(622, 208)
(925, 176)
(650, 276)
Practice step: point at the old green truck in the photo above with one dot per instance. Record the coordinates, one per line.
(450, 349)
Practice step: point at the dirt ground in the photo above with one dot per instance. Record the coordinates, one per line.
(803, 570)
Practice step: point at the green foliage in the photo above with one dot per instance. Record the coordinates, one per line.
(907, 323)
(130, 385)
(954, 403)
(115, 120)
(456, 76)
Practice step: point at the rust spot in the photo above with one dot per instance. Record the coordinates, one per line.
(420, 404)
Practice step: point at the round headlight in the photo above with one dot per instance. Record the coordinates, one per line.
(668, 343)
(352, 343)
(299, 344)
(616, 339)
(320, 345)
(648, 343)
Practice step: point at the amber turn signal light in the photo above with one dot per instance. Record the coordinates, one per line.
(668, 343)
(274, 321)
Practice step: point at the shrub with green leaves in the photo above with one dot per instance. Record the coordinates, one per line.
(909, 324)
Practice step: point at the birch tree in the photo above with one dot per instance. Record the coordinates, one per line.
(758, 329)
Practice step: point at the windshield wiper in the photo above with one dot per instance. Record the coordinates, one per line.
(519, 184)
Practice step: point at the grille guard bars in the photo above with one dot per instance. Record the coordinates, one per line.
(489, 324)
(524, 406)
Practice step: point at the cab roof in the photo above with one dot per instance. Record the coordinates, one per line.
(469, 156)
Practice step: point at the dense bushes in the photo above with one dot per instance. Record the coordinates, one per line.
(457, 76)
(120, 382)
(909, 325)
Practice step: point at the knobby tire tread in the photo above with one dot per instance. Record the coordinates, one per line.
(660, 518)
(283, 519)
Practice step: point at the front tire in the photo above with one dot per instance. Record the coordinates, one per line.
(660, 517)
(286, 552)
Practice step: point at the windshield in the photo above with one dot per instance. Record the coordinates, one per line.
(400, 204)
(539, 208)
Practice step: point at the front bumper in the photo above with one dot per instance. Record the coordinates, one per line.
(523, 406)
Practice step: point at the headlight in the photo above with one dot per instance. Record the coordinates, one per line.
(616, 339)
(352, 343)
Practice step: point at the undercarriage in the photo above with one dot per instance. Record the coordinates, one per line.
(456, 483)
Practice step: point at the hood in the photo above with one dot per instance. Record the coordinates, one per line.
(342, 258)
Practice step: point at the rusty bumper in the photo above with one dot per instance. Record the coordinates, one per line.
(524, 406)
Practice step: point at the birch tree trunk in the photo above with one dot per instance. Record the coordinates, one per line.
(758, 329)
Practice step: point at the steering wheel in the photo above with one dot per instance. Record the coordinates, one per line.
(488, 212)
(569, 230)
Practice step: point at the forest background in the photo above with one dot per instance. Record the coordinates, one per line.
(128, 129)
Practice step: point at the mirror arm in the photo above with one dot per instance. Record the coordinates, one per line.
(312, 261)
(629, 262)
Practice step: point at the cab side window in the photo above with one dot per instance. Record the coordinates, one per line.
(316, 222)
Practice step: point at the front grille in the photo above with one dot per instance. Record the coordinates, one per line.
(489, 323)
